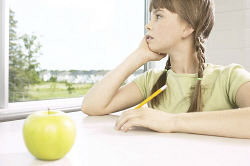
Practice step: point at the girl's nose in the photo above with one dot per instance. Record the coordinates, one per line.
(147, 26)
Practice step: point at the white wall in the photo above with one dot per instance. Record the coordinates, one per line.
(229, 41)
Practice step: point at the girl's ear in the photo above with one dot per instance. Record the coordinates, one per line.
(187, 31)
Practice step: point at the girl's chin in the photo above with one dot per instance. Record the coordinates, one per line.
(154, 47)
(155, 50)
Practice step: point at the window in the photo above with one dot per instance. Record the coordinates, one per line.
(59, 49)
(64, 47)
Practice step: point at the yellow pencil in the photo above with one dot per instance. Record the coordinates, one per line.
(151, 97)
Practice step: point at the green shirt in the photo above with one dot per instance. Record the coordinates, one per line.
(221, 82)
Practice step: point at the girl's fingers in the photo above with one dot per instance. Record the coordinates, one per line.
(124, 118)
(131, 123)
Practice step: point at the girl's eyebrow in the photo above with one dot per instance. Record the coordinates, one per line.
(154, 11)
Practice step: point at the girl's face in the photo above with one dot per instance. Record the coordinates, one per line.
(166, 29)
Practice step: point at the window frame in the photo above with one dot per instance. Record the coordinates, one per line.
(4, 52)
(12, 111)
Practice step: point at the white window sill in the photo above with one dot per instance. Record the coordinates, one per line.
(21, 110)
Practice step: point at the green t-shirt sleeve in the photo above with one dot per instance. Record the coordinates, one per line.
(142, 82)
(237, 76)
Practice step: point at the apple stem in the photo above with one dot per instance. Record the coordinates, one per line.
(48, 111)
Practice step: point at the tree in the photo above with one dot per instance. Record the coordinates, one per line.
(17, 77)
(53, 81)
(69, 86)
(31, 49)
(22, 61)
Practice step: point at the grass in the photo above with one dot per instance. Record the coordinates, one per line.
(55, 90)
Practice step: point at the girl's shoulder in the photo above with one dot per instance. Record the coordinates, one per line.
(231, 75)
(224, 69)
(154, 72)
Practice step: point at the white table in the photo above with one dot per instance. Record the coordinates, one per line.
(98, 143)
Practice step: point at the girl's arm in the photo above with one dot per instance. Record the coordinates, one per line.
(101, 94)
(106, 97)
(228, 123)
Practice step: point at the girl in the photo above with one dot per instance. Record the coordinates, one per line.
(200, 98)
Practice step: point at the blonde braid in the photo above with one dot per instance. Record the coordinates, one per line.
(162, 80)
(196, 103)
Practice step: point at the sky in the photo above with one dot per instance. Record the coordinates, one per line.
(81, 34)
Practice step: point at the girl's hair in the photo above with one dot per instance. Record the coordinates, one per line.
(200, 15)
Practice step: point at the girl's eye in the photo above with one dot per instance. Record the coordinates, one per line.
(157, 16)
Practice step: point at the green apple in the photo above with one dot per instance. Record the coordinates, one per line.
(49, 135)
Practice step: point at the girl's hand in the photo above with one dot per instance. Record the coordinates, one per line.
(147, 53)
(146, 117)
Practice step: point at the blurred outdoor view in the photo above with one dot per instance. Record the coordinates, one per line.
(60, 49)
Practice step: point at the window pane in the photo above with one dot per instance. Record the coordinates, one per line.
(60, 48)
